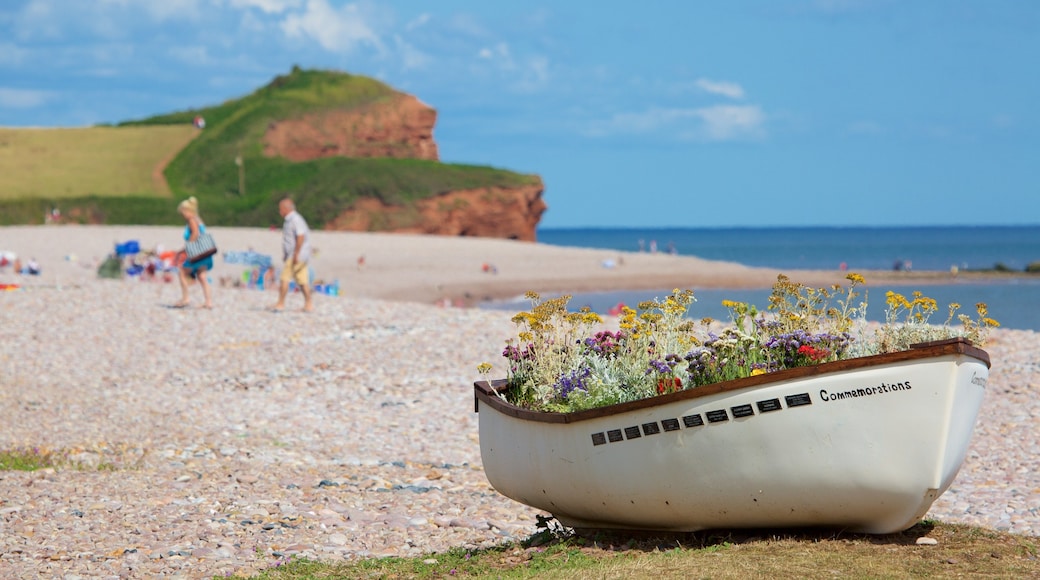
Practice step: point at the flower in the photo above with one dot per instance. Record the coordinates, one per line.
(565, 361)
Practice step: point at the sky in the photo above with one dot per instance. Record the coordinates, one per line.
(684, 113)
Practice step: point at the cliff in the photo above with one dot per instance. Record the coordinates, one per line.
(401, 126)
(494, 212)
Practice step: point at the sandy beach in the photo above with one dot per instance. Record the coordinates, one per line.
(212, 442)
(429, 269)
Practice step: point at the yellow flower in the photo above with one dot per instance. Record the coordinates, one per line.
(484, 368)
(756, 372)
(855, 278)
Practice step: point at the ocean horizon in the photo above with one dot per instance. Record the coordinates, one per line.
(1014, 303)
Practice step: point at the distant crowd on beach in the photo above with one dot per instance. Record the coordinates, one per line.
(9, 259)
(670, 247)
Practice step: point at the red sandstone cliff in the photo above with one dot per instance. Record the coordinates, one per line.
(402, 126)
(511, 213)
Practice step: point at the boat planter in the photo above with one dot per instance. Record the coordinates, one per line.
(864, 444)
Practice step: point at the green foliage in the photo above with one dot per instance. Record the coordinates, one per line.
(559, 362)
(28, 459)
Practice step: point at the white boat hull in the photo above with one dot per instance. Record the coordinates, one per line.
(864, 447)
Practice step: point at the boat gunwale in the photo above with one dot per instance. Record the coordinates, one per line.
(488, 391)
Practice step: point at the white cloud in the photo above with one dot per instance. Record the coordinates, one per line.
(468, 25)
(727, 122)
(12, 54)
(717, 123)
(38, 19)
(335, 30)
(499, 53)
(266, 6)
(418, 22)
(162, 10)
(195, 55)
(411, 57)
(535, 74)
(724, 88)
(22, 98)
(64, 20)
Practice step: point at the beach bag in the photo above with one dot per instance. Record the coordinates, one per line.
(202, 248)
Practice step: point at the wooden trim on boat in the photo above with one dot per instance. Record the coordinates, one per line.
(487, 392)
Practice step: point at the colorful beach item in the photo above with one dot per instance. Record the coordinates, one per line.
(864, 444)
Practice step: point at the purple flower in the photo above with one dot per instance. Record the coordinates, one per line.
(572, 381)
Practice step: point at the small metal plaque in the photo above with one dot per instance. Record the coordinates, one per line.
(692, 421)
(769, 405)
(717, 416)
(632, 433)
(599, 438)
(651, 428)
(798, 400)
(670, 424)
(742, 411)
(614, 435)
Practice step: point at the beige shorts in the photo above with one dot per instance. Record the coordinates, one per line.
(298, 272)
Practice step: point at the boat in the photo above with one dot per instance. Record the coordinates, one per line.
(863, 444)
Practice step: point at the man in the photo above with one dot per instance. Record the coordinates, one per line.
(296, 252)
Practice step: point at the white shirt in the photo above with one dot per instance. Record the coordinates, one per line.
(294, 226)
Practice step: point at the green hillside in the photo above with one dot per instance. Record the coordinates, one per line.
(76, 162)
(207, 169)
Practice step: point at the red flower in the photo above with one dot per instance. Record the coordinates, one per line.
(814, 354)
(673, 385)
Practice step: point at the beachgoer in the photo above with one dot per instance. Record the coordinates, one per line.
(189, 210)
(296, 252)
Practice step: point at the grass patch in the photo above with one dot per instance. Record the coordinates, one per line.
(100, 457)
(961, 551)
(30, 459)
(59, 164)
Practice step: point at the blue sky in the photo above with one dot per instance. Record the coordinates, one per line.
(642, 114)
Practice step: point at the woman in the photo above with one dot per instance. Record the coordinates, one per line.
(189, 210)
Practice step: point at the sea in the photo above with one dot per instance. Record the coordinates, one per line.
(1015, 303)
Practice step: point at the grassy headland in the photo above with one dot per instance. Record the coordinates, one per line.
(207, 168)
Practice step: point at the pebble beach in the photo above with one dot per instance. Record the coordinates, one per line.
(221, 442)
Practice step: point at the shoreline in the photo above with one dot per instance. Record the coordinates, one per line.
(461, 271)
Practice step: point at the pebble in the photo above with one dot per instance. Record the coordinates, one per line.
(215, 442)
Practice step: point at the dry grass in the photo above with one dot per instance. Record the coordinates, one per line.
(959, 552)
(76, 162)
